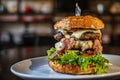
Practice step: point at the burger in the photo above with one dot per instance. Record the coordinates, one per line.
(79, 49)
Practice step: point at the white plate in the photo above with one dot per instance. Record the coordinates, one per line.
(38, 69)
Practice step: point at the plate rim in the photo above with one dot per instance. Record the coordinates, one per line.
(19, 74)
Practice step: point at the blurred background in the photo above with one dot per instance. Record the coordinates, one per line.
(26, 27)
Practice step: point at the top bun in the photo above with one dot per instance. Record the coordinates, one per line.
(86, 22)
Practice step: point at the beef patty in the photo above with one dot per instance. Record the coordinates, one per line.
(90, 36)
(85, 36)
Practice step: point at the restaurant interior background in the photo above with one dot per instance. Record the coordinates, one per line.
(26, 27)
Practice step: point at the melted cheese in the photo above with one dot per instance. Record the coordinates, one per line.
(86, 45)
(83, 45)
(64, 33)
(77, 34)
(58, 45)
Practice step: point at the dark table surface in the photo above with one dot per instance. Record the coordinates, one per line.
(10, 56)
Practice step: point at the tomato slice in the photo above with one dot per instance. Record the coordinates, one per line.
(87, 54)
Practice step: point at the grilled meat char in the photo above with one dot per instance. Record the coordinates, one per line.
(90, 36)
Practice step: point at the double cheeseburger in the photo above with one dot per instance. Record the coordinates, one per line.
(79, 49)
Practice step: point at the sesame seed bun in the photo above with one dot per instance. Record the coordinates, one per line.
(86, 22)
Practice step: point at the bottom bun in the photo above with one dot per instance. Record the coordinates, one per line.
(69, 68)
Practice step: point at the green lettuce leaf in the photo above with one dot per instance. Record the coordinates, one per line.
(50, 52)
(73, 57)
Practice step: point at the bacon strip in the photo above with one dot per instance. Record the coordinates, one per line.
(66, 45)
(54, 54)
(97, 46)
